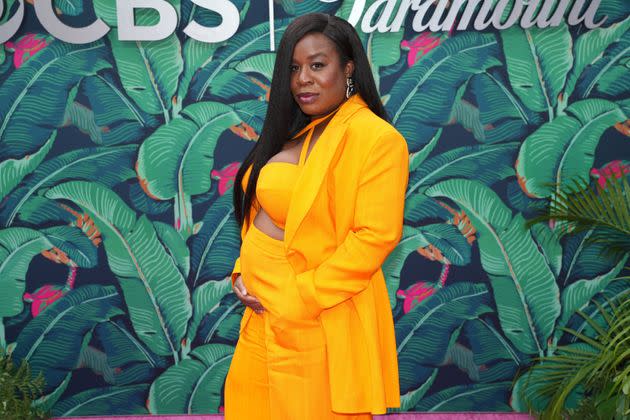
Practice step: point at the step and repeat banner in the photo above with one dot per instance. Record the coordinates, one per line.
(122, 126)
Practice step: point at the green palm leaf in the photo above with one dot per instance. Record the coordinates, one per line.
(198, 54)
(613, 293)
(422, 98)
(423, 335)
(412, 239)
(193, 386)
(216, 245)
(154, 289)
(149, 71)
(176, 160)
(297, 8)
(488, 344)
(231, 83)
(116, 117)
(46, 402)
(501, 113)
(578, 294)
(75, 243)
(122, 347)
(206, 298)
(603, 211)
(260, 63)
(252, 112)
(18, 246)
(530, 392)
(468, 398)
(538, 61)
(608, 72)
(175, 245)
(222, 322)
(486, 163)
(110, 166)
(583, 258)
(588, 48)
(613, 11)
(446, 238)
(244, 44)
(409, 400)
(130, 360)
(524, 286)
(115, 399)
(53, 341)
(69, 7)
(13, 171)
(549, 244)
(40, 87)
(563, 149)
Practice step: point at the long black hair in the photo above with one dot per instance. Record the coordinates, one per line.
(284, 116)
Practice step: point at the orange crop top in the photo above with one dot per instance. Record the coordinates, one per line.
(277, 180)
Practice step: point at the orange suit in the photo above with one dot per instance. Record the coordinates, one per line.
(346, 216)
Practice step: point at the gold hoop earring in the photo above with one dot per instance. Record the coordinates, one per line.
(349, 87)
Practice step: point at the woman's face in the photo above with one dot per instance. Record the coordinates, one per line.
(318, 80)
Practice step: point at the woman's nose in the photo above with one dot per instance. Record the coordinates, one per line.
(304, 76)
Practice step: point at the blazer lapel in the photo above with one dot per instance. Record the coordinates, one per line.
(316, 167)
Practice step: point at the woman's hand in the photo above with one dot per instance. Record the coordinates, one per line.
(243, 296)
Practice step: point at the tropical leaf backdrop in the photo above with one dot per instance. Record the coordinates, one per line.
(117, 233)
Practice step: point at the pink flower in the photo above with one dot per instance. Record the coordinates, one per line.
(415, 294)
(226, 176)
(44, 296)
(418, 292)
(420, 45)
(26, 46)
(615, 168)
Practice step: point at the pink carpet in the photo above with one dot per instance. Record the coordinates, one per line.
(404, 416)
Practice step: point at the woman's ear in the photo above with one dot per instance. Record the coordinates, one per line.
(349, 68)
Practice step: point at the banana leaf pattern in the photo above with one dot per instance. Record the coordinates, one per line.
(117, 232)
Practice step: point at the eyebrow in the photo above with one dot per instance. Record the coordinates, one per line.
(312, 56)
(317, 54)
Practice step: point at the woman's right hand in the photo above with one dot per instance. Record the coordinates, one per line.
(243, 296)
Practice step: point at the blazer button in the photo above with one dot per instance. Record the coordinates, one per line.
(291, 252)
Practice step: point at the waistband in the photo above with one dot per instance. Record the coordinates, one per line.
(271, 244)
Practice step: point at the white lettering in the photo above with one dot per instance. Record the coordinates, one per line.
(500, 14)
(515, 13)
(356, 12)
(383, 19)
(227, 28)
(449, 20)
(398, 21)
(129, 31)
(589, 15)
(468, 12)
(50, 21)
(418, 20)
(482, 21)
(434, 22)
(11, 26)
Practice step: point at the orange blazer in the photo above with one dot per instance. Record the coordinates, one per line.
(346, 216)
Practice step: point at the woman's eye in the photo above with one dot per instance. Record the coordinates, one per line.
(293, 68)
(318, 65)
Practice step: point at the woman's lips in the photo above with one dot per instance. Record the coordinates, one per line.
(307, 98)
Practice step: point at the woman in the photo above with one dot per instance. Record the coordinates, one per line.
(321, 207)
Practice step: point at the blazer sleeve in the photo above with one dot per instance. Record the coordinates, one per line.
(236, 270)
(377, 229)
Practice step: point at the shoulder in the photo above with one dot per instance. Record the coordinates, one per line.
(369, 131)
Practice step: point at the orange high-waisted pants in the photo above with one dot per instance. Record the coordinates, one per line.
(277, 374)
